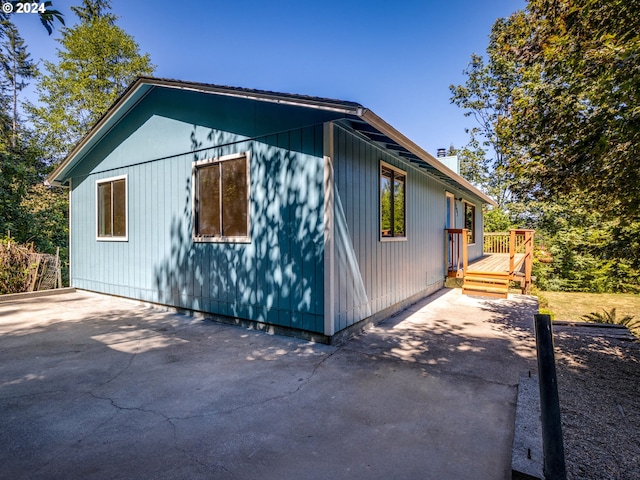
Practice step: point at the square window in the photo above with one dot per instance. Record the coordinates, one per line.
(221, 199)
(111, 209)
(392, 202)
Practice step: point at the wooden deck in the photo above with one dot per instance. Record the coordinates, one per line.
(497, 262)
(509, 258)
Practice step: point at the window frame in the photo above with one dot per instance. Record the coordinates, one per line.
(472, 231)
(392, 238)
(112, 238)
(196, 194)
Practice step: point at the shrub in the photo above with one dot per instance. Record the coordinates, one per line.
(610, 317)
(15, 266)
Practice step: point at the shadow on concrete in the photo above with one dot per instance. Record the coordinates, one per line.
(453, 333)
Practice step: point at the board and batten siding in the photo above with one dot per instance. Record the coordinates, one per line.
(371, 275)
(276, 278)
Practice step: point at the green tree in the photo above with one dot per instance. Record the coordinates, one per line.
(96, 63)
(486, 98)
(473, 162)
(48, 17)
(575, 114)
(92, 9)
(556, 99)
(17, 67)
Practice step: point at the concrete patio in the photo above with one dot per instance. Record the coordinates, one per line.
(100, 387)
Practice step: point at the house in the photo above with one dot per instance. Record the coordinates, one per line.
(301, 213)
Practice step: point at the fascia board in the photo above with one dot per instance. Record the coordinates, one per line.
(142, 85)
(132, 96)
(382, 126)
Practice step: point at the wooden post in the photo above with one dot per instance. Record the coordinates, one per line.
(34, 278)
(447, 250)
(59, 269)
(528, 261)
(512, 252)
(465, 256)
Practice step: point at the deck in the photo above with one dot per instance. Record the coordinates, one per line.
(497, 262)
(508, 257)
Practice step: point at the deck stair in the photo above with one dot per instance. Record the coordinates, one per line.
(507, 257)
(490, 284)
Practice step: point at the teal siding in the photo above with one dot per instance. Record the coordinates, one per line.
(371, 275)
(277, 278)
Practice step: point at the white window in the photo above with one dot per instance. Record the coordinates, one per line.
(111, 209)
(221, 199)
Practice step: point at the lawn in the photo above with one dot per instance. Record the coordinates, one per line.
(572, 305)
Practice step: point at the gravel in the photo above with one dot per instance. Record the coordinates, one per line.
(599, 387)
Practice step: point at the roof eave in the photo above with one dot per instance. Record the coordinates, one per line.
(125, 103)
(143, 85)
(378, 123)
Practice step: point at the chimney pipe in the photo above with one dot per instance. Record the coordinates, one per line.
(442, 152)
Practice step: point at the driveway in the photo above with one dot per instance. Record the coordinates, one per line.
(96, 387)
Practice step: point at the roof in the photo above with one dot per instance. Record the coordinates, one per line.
(356, 117)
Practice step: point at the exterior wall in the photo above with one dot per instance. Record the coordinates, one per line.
(371, 275)
(277, 278)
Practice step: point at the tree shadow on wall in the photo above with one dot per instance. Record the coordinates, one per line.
(277, 277)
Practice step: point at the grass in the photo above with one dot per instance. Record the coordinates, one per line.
(573, 305)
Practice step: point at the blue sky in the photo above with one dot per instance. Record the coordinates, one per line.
(396, 58)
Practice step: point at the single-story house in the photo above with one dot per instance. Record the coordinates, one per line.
(301, 213)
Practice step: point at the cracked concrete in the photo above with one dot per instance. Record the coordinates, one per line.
(99, 387)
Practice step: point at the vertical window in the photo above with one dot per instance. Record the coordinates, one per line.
(111, 196)
(392, 202)
(221, 199)
(470, 221)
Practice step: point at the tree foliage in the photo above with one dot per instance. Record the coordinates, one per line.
(17, 67)
(556, 99)
(48, 18)
(574, 115)
(96, 63)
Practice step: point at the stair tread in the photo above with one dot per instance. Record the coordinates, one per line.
(485, 288)
(487, 279)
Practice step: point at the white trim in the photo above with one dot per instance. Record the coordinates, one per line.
(452, 209)
(70, 249)
(126, 209)
(220, 239)
(393, 239)
(329, 231)
(406, 181)
(382, 126)
(474, 230)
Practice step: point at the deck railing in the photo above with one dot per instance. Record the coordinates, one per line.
(457, 241)
(512, 243)
(499, 242)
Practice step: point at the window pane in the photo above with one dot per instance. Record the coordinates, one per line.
(385, 203)
(208, 221)
(398, 206)
(104, 210)
(119, 208)
(469, 221)
(234, 197)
